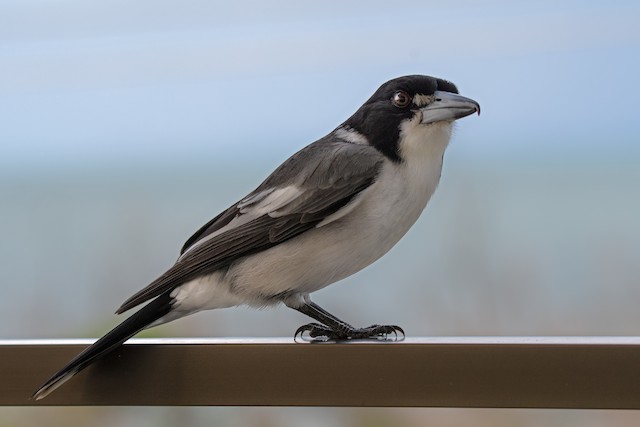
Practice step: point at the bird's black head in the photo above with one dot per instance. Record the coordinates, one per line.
(422, 99)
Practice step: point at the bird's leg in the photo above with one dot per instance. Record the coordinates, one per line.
(332, 328)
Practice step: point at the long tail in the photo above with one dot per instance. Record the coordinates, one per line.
(151, 312)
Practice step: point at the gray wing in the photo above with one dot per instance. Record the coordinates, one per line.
(305, 190)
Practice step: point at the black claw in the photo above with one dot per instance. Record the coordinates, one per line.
(383, 331)
(317, 332)
(314, 332)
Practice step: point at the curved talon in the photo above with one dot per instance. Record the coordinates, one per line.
(382, 332)
(317, 332)
(398, 329)
(306, 328)
(299, 336)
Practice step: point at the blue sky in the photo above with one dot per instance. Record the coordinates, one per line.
(103, 83)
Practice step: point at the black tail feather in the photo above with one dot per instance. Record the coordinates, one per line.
(151, 312)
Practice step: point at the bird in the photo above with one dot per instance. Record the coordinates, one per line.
(327, 212)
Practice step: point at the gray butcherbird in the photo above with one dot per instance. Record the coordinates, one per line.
(327, 212)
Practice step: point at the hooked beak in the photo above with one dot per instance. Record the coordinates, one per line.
(448, 107)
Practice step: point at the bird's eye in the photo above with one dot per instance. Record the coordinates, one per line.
(401, 99)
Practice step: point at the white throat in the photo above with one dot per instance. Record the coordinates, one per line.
(423, 143)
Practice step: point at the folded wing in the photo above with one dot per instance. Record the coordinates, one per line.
(310, 189)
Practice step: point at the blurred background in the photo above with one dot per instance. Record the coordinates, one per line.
(126, 125)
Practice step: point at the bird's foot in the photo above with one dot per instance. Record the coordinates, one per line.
(317, 332)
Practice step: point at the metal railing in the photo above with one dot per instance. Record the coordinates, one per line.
(507, 372)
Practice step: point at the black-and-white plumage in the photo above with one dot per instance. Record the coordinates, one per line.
(328, 211)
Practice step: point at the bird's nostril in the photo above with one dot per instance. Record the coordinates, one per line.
(438, 99)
